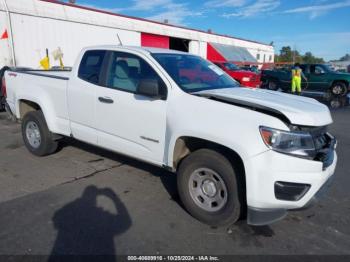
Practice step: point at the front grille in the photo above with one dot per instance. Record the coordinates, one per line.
(321, 141)
(324, 144)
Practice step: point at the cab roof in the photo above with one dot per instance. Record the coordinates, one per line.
(145, 50)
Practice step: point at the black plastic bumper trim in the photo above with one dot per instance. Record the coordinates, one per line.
(290, 191)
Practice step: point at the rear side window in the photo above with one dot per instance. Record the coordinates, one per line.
(90, 66)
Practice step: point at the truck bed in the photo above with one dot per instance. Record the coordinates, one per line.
(47, 88)
(60, 74)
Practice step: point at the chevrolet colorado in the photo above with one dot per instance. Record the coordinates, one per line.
(236, 151)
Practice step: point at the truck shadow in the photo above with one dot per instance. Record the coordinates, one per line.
(168, 179)
(84, 228)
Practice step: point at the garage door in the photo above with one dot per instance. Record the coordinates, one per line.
(149, 40)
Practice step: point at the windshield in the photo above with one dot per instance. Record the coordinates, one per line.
(231, 66)
(193, 74)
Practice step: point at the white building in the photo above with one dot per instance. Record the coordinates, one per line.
(34, 25)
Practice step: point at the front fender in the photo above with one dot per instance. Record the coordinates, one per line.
(236, 147)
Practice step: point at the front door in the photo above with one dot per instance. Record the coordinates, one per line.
(125, 121)
(316, 78)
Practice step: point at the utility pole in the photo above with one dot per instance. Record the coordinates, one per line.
(294, 54)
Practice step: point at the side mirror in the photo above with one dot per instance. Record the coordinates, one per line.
(148, 87)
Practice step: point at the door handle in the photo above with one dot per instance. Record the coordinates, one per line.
(106, 100)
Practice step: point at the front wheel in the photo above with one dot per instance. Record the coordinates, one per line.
(272, 85)
(339, 89)
(36, 135)
(208, 188)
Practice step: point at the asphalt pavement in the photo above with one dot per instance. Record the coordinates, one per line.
(85, 200)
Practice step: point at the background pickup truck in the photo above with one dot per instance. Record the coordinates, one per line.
(244, 77)
(319, 78)
(235, 150)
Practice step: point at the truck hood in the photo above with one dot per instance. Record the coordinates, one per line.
(293, 109)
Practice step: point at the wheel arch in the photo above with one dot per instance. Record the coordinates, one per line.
(25, 105)
(340, 81)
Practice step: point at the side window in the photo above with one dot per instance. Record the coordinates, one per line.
(257, 56)
(316, 69)
(319, 70)
(126, 71)
(90, 66)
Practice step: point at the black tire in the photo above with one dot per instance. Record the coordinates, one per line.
(272, 85)
(339, 89)
(230, 212)
(2, 103)
(47, 145)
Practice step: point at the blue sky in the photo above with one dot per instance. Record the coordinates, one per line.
(319, 26)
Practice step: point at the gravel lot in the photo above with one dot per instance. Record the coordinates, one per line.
(84, 200)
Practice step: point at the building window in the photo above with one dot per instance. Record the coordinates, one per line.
(258, 56)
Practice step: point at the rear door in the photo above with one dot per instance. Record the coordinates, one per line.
(82, 96)
(127, 122)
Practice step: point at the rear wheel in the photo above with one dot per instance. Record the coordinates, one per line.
(36, 135)
(208, 188)
(339, 89)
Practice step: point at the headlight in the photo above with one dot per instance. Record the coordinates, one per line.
(245, 79)
(293, 143)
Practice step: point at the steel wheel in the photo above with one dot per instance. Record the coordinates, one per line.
(33, 134)
(339, 89)
(272, 85)
(207, 189)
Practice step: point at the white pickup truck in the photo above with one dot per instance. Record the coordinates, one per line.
(237, 152)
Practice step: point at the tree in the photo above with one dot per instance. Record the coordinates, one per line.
(286, 54)
(345, 58)
(289, 55)
(309, 58)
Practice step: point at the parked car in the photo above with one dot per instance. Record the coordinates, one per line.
(320, 77)
(233, 149)
(251, 68)
(244, 77)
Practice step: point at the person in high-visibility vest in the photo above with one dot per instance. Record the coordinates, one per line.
(297, 74)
